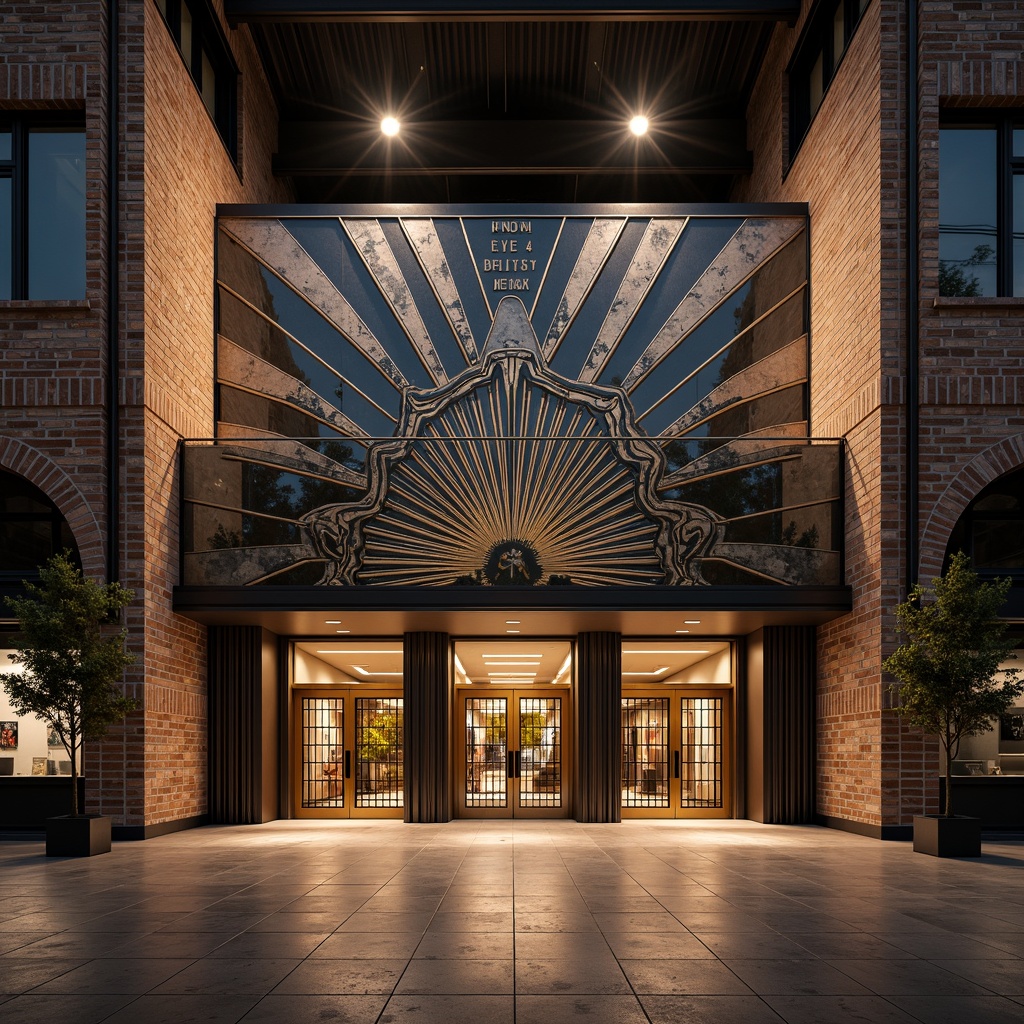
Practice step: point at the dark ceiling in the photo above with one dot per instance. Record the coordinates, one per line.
(511, 101)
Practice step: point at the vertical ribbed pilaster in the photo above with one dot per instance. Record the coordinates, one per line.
(427, 715)
(789, 717)
(597, 775)
(234, 695)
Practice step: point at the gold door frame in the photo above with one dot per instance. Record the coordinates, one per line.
(340, 772)
(659, 780)
(509, 782)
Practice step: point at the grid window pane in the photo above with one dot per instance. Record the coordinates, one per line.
(56, 215)
(645, 752)
(323, 752)
(5, 145)
(540, 749)
(701, 746)
(379, 752)
(486, 750)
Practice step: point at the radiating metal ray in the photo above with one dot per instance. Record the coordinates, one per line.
(598, 246)
(754, 242)
(372, 245)
(655, 247)
(427, 246)
(272, 244)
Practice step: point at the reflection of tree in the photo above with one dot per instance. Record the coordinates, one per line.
(956, 280)
(807, 539)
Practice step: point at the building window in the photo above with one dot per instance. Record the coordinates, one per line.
(42, 209)
(31, 530)
(991, 531)
(981, 204)
(818, 54)
(205, 52)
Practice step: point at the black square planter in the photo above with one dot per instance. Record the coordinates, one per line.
(947, 837)
(83, 836)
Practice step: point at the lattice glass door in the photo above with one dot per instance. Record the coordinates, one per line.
(512, 756)
(676, 754)
(348, 754)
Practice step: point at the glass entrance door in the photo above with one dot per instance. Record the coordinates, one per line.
(512, 753)
(347, 754)
(676, 756)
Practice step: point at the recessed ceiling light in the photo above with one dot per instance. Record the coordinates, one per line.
(682, 631)
(332, 622)
(511, 655)
(676, 651)
(692, 622)
(390, 126)
(511, 630)
(513, 622)
(639, 125)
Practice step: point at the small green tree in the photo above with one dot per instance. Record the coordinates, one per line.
(946, 671)
(73, 656)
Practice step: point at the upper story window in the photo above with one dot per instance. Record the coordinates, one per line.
(42, 208)
(981, 204)
(818, 54)
(206, 55)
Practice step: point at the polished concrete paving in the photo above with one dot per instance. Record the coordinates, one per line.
(531, 923)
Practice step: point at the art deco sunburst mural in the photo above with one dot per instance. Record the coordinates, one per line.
(454, 398)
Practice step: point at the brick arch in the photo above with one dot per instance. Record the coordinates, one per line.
(983, 469)
(44, 473)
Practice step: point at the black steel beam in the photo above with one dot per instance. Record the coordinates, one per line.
(238, 11)
(708, 146)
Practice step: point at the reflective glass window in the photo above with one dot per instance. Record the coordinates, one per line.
(967, 211)
(6, 248)
(56, 215)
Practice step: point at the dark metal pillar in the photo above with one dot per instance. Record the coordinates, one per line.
(427, 716)
(598, 771)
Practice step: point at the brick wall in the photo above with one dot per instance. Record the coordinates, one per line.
(174, 169)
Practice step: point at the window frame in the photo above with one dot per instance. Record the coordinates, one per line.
(1007, 167)
(16, 170)
(818, 40)
(61, 535)
(207, 40)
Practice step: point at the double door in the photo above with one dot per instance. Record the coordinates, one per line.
(348, 750)
(512, 753)
(676, 757)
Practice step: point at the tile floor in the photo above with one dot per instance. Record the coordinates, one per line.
(531, 923)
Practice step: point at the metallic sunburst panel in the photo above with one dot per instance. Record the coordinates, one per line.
(585, 397)
(512, 475)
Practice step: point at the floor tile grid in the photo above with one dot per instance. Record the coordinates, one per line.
(627, 883)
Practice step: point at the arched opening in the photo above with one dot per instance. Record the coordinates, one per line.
(32, 529)
(991, 529)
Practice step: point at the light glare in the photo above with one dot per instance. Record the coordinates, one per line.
(639, 125)
(390, 126)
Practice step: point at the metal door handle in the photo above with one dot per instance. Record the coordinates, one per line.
(511, 765)
(348, 764)
(519, 763)
(675, 764)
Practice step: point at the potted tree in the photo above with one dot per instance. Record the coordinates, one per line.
(947, 681)
(73, 655)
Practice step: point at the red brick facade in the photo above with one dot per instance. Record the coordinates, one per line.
(850, 169)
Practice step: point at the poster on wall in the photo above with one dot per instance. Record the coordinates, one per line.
(1011, 732)
(8, 735)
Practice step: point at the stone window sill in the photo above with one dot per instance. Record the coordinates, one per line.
(979, 303)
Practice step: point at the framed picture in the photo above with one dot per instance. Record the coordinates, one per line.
(1011, 732)
(52, 739)
(8, 735)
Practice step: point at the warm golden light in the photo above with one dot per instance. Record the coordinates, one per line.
(639, 125)
(390, 126)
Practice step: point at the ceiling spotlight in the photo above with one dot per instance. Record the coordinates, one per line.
(639, 125)
(390, 126)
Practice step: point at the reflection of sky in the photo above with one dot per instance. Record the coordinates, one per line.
(967, 200)
(56, 215)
